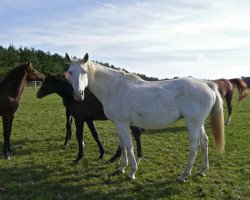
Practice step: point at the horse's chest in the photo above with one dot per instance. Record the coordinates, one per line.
(116, 108)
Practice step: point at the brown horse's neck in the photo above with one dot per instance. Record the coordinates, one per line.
(14, 86)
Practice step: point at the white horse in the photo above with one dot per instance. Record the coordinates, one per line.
(130, 101)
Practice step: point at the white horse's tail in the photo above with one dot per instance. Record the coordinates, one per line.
(217, 120)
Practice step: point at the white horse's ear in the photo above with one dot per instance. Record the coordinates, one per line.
(68, 60)
(86, 58)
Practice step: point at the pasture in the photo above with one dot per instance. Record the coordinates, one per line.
(42, 168)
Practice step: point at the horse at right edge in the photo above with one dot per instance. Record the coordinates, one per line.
(226, 88)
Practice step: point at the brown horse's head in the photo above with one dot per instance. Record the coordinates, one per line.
(32, 74)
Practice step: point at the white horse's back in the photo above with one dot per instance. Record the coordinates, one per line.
(156, 105)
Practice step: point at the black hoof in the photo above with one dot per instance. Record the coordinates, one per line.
(77, 159)
(113, 159)
(65, 145)
(116, 173)
(101, 156)
(7, 157)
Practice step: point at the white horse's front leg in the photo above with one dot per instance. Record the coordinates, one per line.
(134, 166)
(124, 159)
(127, 147)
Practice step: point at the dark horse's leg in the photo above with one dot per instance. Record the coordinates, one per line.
(137, 135)
(96, 137)
(68, 128)
(228, 98)
(136, 132)
(79, 136)
(7, 126)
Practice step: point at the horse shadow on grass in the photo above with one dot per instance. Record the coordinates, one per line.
(122, 188)
(26, 146)
(17, 182)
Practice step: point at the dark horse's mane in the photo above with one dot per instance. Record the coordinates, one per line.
(14, 73)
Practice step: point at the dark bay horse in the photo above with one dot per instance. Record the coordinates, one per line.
(226, 87)
(11, 89)
(87, 111)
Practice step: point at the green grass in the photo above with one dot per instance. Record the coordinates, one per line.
(42, 168)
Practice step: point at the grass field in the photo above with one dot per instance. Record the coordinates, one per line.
(42, 168)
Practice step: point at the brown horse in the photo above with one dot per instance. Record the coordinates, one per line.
(226, 87)
(11, 89)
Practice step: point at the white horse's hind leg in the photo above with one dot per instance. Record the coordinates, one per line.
(126, 140)
(204, 152)
(194, 136)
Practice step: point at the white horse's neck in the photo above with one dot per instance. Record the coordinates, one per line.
(103, 80)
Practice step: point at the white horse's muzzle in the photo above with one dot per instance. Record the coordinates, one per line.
(79, 95)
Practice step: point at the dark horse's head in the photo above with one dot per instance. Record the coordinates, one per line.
(54, 84)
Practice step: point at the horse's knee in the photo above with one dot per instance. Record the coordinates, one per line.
(193, 149)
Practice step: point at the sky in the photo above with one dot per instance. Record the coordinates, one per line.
(161, 38)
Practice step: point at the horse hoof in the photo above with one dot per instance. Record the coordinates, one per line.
(7, 157)
(101, 156)
(180, 180)
(77, 159)
(131, 177)
(202, 174)
(139, 160)
(117, 172)
(111, 160)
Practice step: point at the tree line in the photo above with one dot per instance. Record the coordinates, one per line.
(48, 63)
(44, 62)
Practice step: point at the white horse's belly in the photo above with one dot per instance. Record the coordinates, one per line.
(154, 120)
(154, 124)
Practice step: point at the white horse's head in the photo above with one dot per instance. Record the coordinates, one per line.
(78, 76)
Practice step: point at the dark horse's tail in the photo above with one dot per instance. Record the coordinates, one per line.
(241, 86)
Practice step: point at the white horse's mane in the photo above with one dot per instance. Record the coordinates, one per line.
(130, 76)
(91, 69)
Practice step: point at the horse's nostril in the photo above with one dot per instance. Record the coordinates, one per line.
(82, 92)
